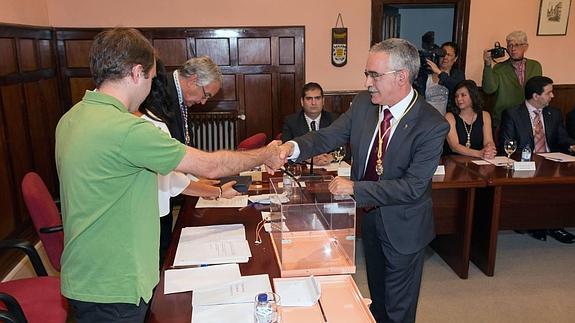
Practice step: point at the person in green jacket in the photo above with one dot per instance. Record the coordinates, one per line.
(507, 79)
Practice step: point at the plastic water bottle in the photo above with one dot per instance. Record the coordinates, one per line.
(287, 184)
(263, 311)
(526, 153)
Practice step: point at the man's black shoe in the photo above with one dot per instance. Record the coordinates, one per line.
(540, 235)
(562, 235)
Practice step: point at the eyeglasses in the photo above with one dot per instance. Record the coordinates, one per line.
(207, 95)
(511, 46)
(375, 75)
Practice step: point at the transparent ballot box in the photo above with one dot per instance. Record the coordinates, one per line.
(313, 231)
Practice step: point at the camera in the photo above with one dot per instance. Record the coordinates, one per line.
(430, 51)
(497, 51)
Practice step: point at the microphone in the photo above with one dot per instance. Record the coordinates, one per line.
(290, 175)
(312, 126)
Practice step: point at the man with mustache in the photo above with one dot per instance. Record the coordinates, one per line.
(396, 138)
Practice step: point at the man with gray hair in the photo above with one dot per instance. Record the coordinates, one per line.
(507, 79)
(396, 138)
(194, 83)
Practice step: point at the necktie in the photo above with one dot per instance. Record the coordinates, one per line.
(370, 173)
(538, 133)
(312, 126)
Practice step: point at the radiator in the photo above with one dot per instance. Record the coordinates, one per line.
(213, 130)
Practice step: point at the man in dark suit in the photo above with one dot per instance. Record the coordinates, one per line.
(194, 83)
(396, 138)
(533, 123)
(299, 123)
(570, 121)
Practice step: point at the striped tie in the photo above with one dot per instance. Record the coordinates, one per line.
(538, 133)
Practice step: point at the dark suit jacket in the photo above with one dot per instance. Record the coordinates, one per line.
(175, 124)
(516, 123)
(403, 192)
(570, 120)
(295, 124)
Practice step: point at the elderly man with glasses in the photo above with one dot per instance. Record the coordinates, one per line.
(194, 83)
(396, 139)
(507, 79)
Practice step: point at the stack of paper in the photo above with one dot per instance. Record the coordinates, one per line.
(558, 157)
(214, 244)
(230, 302)
(188, 279)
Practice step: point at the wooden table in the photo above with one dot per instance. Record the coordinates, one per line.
(453, 197)
(542, 199)
(177, 307)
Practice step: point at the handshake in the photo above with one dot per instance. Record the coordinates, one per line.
(277, 155)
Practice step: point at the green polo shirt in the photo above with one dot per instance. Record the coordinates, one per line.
(107, 161)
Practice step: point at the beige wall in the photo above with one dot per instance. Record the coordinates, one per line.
(25, 12)
(490, 20)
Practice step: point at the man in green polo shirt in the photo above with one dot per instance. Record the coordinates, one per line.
(107, 161)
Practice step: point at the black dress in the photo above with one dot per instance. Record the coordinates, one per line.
(476, 135)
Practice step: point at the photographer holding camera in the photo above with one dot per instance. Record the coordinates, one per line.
(438, 77)
(507, 79)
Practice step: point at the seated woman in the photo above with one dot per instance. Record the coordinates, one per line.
(436, 83)
(470, 132)
(155, 110)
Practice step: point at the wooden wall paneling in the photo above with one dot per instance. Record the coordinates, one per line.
(41, 114)
(254, 51)
(286, 50)
(7, 218)
(27, 55)
(338, 101)
(78, 87)
(564, 97)
(18, 139)
(173, 52)
(241, 130)
(72, 50)
(8, 63)
(258, 96)
(217, 49)
(45, 53)
(288, 100)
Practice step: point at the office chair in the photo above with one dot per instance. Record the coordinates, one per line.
(45, 216)
(256, 141)
(35, 299)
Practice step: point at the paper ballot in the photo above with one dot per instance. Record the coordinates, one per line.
(304, 291)
(215, 244)
(237, 313)
(187, 279)
(236, 201)
(238, 291)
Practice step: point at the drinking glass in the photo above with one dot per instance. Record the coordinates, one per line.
(339, 154)
(509, 146)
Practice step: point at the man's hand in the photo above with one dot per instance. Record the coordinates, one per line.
(286, 150)
(276, 156)
(487, 58)
(323, 159)
(228, 190)
(340, 186)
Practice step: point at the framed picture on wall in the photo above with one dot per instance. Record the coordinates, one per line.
(553, 17)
